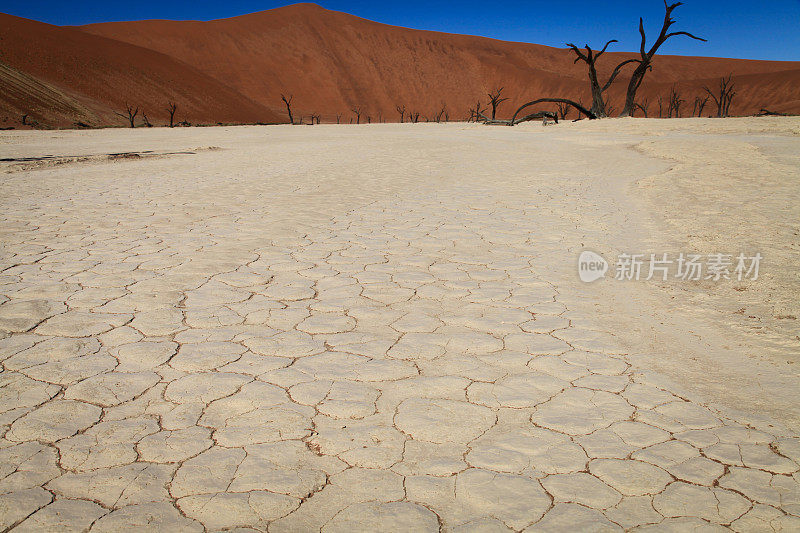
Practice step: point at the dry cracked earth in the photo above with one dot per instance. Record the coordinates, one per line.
(380, 329)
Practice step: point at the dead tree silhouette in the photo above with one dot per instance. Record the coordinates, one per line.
(563, 109)
(699, 105)
(357, 111)
(675, 103)
(540, 114)
(442, 114)
(726, 94)
(476, 112)
(171, 108)
(643, 105)
(288, 102)
(590, 58)
(646, 60)
(402, 111)
(129, 115)
(495, 100)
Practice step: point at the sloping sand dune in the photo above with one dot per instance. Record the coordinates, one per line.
(89, 77)
(332, 61)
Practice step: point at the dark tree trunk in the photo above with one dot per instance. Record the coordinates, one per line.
(646, 61)
(288, 102)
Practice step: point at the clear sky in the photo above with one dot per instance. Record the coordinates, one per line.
(767, 29)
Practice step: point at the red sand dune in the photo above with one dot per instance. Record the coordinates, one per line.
(234, 70)
(60, 76)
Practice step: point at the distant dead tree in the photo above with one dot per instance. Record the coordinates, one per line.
(441, 114)
(590, 58)
(646, 61)
(514, 120)
(25, 119)
(369, 119)
(146, 120)
(699, 105)
(643, 105)
(563, 109)
(675, 103)
(763, 112)
(609, 107)
(402, 110)
(725, 97)
(357, 112)
(338, 118)
(129, 115)
(171, 108)
(288, 103)
(315, 118)
(495, 100)
(413, 116)
(476, 112)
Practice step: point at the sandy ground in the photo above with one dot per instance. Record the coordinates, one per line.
(346, 328)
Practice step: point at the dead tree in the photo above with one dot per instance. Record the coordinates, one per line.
(315, 118)
(590, 58)
(146, 120)
(357, 111)
(763, 112)
(726, 94)
(288, 103)
(129, 115)
(476, 112)
(338, 118)
(402, 110)
(495, 100)
(675, 103)
(699, 105)
(563, 109)
(25, 119)
(413, 116)
(171, 108)
(643, 105)
(660, 107)
(577, 106)
(544, 115)
(646, 61)
(609, 107)
(441, 114)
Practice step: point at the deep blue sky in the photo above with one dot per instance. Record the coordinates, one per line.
(767, 29)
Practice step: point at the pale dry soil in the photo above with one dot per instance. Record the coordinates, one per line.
(381, 327)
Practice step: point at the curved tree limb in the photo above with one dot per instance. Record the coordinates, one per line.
(576, 105)
(617, 71)
(673, 34)
(603, 51)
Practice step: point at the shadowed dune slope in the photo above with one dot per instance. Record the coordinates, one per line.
(235, 69)
(59, 76)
